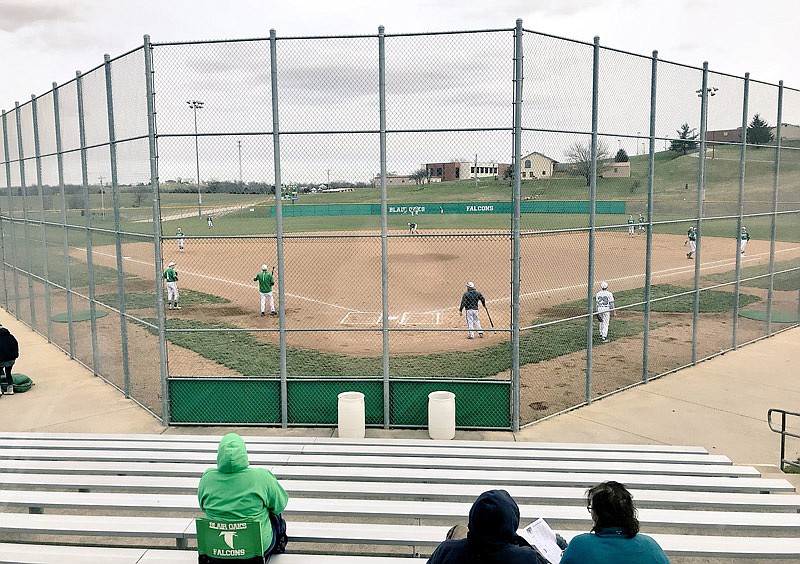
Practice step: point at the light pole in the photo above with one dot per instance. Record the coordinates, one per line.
(197, 105)
(638, 134)
(240, 161)
(102, 200)
(711, 91)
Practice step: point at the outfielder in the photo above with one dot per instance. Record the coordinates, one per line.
(210, 222)
(179, 235)
(469, 301)
(604, 301)
(744, 237)
(412, 228)
(691, 238)
(171, 276)
(265, 282)
(631, 227)
(641, 223)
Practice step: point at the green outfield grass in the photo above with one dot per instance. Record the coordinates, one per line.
(790, 281)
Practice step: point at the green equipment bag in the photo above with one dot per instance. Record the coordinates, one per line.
(21, 383)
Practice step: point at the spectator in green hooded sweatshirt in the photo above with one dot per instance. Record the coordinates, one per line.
(234, 490)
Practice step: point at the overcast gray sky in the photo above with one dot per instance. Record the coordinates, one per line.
(332, 84)
(43, 41)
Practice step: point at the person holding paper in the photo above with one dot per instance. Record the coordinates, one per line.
(492, 536)
(615, 537)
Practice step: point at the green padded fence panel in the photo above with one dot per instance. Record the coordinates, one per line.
(224, 400)
(461, 208)
(478, 404)
(316, 402)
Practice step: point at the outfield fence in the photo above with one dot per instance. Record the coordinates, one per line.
(101, 172)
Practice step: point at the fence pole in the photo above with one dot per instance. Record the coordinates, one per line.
(158, 258)
(701, 196)
(592, 218)
(25, 225)
(515, 221)
(276, 155)
(3, 255)
(88, 225)
(384, 228)
(648, 257)
(45, 270)
(11, 222)
(772, 229)
(65, 232)
(742, 163)
(112, 146)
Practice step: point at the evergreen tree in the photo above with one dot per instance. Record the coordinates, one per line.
(759, 132)
(686, 140)
(621, 156)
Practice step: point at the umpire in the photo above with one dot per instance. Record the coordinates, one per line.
(469, 301)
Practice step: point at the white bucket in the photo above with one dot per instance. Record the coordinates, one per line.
(351, 415)
(442, 415)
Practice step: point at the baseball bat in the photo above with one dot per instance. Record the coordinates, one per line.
(489, 316)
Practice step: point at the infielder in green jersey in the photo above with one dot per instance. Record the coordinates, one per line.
(171, 276)
(744, 237)
(631, 227)
(265, 284)
(691, 238)
(179, 235)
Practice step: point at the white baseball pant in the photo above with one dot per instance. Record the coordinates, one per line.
(264, 296)
(172, 291)
(473, 322)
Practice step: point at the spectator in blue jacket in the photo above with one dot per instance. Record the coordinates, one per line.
(615, 537)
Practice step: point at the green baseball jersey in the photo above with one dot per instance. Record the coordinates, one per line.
(265, 281)
(692, 235)
(170, 275)
(744, 235)
(179, 233)
(641, 218)
(630, 220)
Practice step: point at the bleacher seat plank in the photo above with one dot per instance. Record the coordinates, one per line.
(405, 443)
(428, 451)
(372, 509)
(413, 475)
(370, 490)
(364, 461)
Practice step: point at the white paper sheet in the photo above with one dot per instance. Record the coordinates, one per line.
(540, 535)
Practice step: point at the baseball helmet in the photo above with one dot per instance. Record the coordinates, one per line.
(171, 264)
(604, 284)
(470, 285)
(264, 267)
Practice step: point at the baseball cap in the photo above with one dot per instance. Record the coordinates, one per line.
(264, 267)
(171, 264)
(604, 284)
(470, 285)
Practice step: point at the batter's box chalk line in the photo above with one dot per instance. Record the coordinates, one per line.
(420, 318)
(361, 318)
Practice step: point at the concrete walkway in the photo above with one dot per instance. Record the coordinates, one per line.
(720, 404)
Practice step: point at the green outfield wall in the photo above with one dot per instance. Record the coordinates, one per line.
(459, 208)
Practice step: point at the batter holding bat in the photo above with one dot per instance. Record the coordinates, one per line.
(469, 301)
(265, 283)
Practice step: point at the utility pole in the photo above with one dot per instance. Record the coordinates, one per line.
(476, 170)
(329, 178)
(197, 105)
(240, 161)
(102, 199)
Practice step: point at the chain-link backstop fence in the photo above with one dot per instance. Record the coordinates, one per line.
(406, 165)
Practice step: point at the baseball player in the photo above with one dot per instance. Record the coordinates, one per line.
(179, 235)
(210, 222)
(469, 301)
(641, 223)
(691, 239)
(604, 301)
(412, 228)
(744, 237)
(265, 283)
(631, 227)
(171, 276)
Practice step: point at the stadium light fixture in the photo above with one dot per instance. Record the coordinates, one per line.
(197, 105)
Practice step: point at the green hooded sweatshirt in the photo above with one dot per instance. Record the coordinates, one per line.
(233, 490)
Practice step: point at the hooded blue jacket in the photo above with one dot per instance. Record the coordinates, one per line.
(493, 524)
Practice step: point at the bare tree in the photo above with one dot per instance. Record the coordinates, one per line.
(580, 155)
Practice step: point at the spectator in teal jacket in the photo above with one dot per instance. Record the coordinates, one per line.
(235, 491)
(615, 537)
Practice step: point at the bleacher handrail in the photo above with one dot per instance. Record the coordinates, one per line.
(783, 433)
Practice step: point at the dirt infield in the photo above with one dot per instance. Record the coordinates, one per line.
(333, 283)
